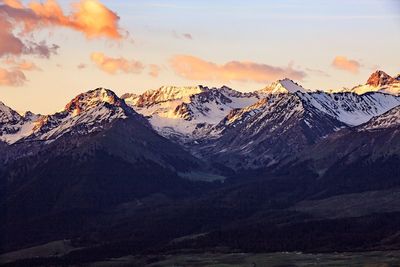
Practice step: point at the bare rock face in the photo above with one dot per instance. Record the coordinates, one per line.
(380, 78)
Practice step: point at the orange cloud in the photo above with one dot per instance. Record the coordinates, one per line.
(114, 65)
(194, 68)
(95, 20)
(13, 3)
(12, 77)
(88, 16)
(27, 66)
(343, 63)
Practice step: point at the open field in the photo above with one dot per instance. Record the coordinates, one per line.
(367, 259)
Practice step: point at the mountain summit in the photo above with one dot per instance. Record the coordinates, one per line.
(92, 99)
(283, 87)
(380, 78)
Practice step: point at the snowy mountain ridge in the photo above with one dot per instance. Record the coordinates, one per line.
(86, 113)
(187, 114)
(192, 113)
(390, 119)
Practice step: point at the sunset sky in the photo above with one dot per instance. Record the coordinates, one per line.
(52, 50)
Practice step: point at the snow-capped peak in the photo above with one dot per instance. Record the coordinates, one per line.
(162, 94)
(176, 92)
(188, 110)
(92, 99)
(87, 113)
(283, 87)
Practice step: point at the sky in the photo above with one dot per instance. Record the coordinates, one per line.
(50, 51)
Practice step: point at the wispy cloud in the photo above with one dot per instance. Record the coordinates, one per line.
(22, 65)
(154, 70)
(194, 68)
(343, 63)
(81, 66)
(317, 72)
(13, 73)
(187, 36)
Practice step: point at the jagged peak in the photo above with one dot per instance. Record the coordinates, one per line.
(284, 86)
(4, 106)
(170, 93)
(7, 114)
(177, 92)
(380, 78)
(129, 95)
(164, 93)
(231, 92)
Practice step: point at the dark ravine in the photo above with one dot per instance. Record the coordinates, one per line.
(104, 177)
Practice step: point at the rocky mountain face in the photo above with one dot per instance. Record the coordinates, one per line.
(390, 119)
(380, 78)
(369, 161)
(274, 128)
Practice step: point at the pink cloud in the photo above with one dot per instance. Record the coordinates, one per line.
(343, 63)
(19, 20)
(194, 68)
(12, 77)
(22, 65)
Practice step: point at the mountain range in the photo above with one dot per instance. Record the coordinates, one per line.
(195, 167)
